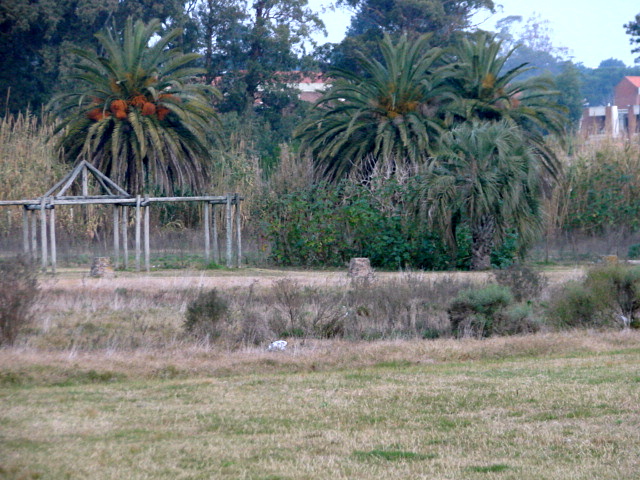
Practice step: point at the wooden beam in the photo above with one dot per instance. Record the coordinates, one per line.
(216, 245)
(229, 231)
(207, 233)
(43, 234)
(34, 234)
(67, 181)
(147, 250)
(52, 234)
(104, 180)
(25, 231)
(34, 204)
(116, 236)
(125, 235)
(85, 181)
(238, 231)
(138, 233)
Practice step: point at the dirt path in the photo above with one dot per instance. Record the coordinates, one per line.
(229, 279)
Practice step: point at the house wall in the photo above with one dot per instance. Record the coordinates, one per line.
(626, 93)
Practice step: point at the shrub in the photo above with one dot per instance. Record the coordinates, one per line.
(18, 295)
(634, 251)
(574, 307)
(516, 319)
(473, 311)
(204, 315)
(609, 295)
(524, 282)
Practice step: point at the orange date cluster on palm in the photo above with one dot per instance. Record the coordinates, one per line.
(120, 108)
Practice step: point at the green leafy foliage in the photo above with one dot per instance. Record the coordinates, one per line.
(609, 295)
(484, 176)
(634, 251)
(602, 191)
(327, 224)
(473, 312)
(139, 116)
(384, 117)
(633, 29)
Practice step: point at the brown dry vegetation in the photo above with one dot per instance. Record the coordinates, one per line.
(561, 406)
(106, 385)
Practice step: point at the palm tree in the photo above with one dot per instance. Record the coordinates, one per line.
(485, 91)
(387, 116)
(140, 118)
(486, 176)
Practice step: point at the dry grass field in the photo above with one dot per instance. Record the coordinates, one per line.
(547, 406)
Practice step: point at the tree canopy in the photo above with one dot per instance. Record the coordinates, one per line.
(633, 29)
(389, 115)
(140, 117)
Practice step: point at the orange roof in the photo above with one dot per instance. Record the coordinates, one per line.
(634, 80)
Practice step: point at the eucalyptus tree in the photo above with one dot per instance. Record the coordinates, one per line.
(486, 91)
(387, 115)
(141, 118)
(486, 176)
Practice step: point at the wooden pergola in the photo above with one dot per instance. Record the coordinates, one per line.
(39, 220)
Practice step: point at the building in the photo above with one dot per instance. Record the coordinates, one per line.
(619, 119)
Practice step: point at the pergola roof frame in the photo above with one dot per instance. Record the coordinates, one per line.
(121, 200)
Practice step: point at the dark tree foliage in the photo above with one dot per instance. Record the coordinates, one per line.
(633, 29)
(35, 38)
(444, 19)
(253, 44)
(597, 84)
(568, 84)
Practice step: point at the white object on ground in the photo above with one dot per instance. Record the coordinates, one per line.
(277, 346)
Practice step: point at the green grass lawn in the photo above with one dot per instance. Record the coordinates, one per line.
(574, 415)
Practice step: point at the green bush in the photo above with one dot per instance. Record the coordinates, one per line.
(18, 295)
(205, 314)
(516, 319)
(634, 251)
(574, 307)
(473, 312)
(608, 296)
(326, 225)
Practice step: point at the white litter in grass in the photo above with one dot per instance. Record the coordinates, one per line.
(277, 346)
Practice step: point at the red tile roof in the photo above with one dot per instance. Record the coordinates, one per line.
(634, 80)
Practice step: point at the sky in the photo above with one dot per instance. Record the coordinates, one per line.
(592, 30)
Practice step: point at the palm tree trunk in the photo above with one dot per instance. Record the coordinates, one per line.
(482, 233)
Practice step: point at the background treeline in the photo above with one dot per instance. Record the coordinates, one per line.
(293, 217)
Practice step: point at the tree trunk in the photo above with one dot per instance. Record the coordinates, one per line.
(482, 233)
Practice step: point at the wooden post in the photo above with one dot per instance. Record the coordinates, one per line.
(43, 233)
(25, 230)
(86, 210)
(116, 236)
(216, 245)
(125, 236)
(138, 233)
(229, 231)
(238, 232)
(207, 239)
(52, 234)
(34, 234)
(147, 251)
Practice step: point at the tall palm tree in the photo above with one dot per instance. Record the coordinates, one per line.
(387, 116)
(140, 118)
(486, 176)
(485, 91)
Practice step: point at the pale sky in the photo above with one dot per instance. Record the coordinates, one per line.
(592, 30)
